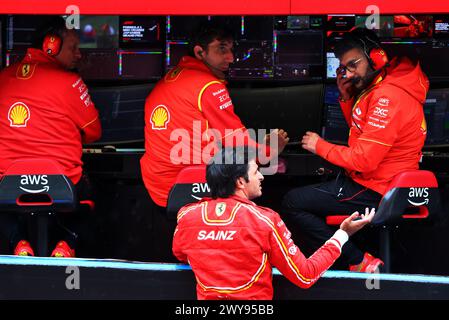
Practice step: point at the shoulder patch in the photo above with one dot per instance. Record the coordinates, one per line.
(173, 74)
(383, 101)
(25, 71)
(160, 117)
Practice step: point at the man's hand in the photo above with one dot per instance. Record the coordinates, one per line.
(357, 221)
(281, 137)
(309, 141)
(345, 86)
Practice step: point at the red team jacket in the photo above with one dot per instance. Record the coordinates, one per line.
(44, 109)
(232, 245)
(179, 112)
(387, 128)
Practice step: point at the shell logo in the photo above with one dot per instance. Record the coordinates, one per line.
(18, 115)
(160, 118)
(424, 126)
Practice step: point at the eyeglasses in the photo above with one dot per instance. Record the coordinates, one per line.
(351, 66)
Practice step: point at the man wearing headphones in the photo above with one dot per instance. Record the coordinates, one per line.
(382, 102)
(190, 111)
(48, 114)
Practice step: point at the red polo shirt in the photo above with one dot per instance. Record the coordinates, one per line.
(186, 115)
(44, 113)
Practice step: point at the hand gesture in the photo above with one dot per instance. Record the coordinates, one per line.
(357, 221)
(309, 141)
(281, 136)
(345, 86)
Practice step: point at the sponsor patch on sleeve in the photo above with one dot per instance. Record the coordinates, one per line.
(83, 91)
(160, 117)
(18, 115)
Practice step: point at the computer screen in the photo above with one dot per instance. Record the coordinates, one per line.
(181, 27)
(299, 54)
(233, 23)
(296, 109)
(141, 64)
(382, 25)
(436, 111)
(99, 64)
(253, 49)
(337, 25)
(174, 51)
(141, 31)
(121, 113)
(21, 30)
(298, 22)
(441, 26)
(99, 32)
(252, 60)
(257, 28)
(413, 26)
(398, 26)
(335, 128)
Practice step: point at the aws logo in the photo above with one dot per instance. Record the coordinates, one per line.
(34, 180)
(200, 189)
(384, 102)
(418, 193)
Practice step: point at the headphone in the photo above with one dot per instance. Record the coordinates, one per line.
(377, 57)
(52, 44)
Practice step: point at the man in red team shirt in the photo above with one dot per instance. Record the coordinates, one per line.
(383, 104)
(232, 244)
(46, 113)
(185, 105)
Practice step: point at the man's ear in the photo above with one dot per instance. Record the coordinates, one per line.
(198, 51)
(240, 183)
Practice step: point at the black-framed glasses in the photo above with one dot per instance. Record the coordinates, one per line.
(351, 66)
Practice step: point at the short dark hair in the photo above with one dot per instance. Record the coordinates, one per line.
(206, 32)
(226, 167)
(360, 38)
(51, 25)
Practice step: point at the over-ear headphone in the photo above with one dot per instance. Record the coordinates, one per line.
(377, 57)
(52, 44)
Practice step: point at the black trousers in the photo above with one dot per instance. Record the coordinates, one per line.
(163, 237)
(304, 211)
(67, 226)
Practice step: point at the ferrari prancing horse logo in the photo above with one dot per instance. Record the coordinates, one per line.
(220, 208)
